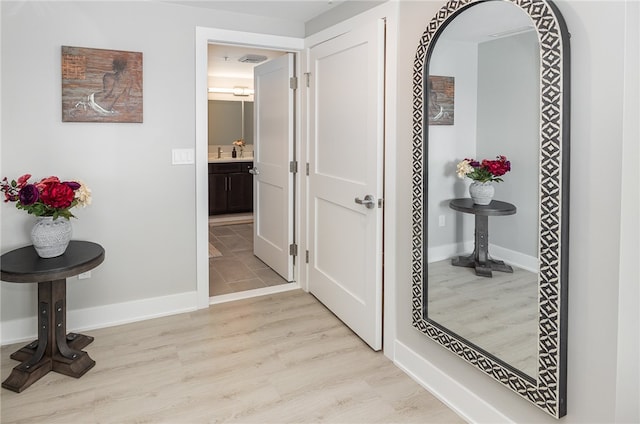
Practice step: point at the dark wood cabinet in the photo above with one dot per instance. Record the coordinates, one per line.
(230, 188)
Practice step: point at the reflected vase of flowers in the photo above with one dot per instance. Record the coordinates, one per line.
(481, 193)
(483, 174)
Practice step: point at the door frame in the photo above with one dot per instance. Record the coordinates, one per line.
(392, 149)
(205, 36)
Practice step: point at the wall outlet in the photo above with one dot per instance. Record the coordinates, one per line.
(84, 275)
(441, 221)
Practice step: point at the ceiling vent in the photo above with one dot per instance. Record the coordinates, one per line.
(252, 58)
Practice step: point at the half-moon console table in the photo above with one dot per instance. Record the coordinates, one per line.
(54, 350)
(480, 259)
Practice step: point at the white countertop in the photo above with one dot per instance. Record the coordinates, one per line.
(214, 159)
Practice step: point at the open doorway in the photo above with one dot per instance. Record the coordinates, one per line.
(205, 37)
(233, 265)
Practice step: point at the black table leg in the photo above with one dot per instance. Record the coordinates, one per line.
(51, 351)
(480, 259)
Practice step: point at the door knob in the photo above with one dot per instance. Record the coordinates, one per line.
(254, 171)
(368, 201)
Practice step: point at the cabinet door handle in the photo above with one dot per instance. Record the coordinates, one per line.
(226, 183)
(229, 183)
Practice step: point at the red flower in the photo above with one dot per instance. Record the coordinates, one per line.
(55, 194)
(43, 182)
(497, 167)
(22, 181)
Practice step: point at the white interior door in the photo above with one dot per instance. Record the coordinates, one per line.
(273, 151)
(346, 164)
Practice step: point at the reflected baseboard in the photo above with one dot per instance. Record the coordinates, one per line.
(448, 251)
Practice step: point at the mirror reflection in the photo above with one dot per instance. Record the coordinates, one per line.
(490, 56)
(230, 120)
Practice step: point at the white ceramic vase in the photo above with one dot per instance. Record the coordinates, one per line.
(50, 236)
(481, 193)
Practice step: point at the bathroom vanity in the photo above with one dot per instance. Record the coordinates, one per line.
(230, 186)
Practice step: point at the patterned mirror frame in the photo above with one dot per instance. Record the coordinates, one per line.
(548, 390)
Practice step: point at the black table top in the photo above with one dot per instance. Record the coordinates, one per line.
(23, 265)
(494, 208)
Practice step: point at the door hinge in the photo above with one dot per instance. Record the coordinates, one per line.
(293, 166)
(307, 169)
(307, 77)
(293, 83)
(293, 249)
(306, 256)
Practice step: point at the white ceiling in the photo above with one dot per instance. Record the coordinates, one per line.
(223, 60)
(291, 10)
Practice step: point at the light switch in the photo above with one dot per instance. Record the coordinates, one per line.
(182, 156)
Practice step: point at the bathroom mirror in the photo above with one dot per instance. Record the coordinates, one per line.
(229, 120)
(491, 77)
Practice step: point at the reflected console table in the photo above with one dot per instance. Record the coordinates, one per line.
(54, 350)
(480, 259)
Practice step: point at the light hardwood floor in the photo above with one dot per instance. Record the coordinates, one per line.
(281, 358)
(498, 314)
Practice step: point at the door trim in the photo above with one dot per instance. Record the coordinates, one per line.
(203, 37)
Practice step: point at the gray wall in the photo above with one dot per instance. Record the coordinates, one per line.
(509, 124)
(143, 207)
(496, 112)
(449, 144)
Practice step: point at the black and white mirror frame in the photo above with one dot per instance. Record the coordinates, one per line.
(548, 389)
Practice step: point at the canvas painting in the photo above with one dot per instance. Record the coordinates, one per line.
(101, 85)
(441, 95)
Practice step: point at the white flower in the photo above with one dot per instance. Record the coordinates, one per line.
(463, 168)
(83, 194)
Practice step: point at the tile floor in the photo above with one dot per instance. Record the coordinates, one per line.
(237, 269)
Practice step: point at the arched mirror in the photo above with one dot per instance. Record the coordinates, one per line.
(491, 78)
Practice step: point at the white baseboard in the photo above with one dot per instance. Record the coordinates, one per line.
(24, 329)
(511, 257)
(448, 251)
(457, 397)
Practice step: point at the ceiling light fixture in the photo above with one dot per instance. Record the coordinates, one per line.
(236, 91)
(252, 58)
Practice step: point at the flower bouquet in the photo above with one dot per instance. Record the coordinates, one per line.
(483, 173)
(48, 199)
